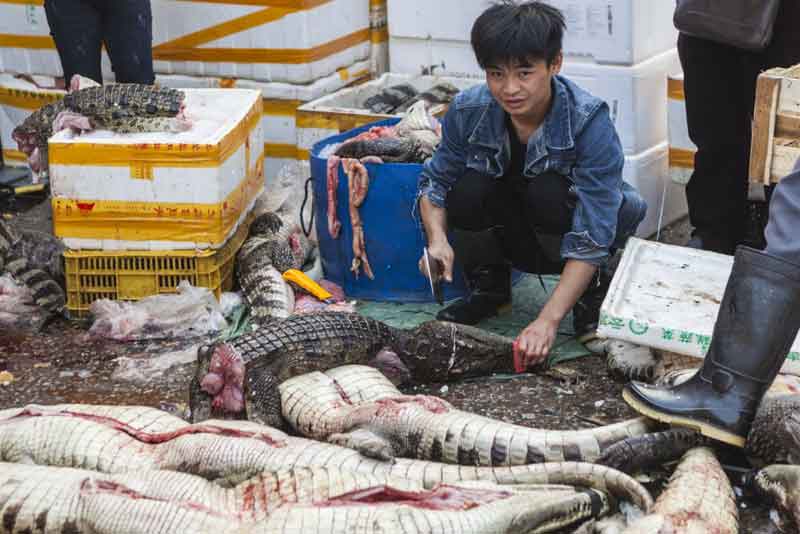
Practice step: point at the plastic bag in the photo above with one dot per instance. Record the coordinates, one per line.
(17, 308)
(194, 311)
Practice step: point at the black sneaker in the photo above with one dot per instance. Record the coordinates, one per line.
(490, 295)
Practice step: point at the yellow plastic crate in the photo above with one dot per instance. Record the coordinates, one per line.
(133, 275)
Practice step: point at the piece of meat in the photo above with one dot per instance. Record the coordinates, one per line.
(334, 225)
(358, 186)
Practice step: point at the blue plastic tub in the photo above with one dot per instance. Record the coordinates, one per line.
(393, 238)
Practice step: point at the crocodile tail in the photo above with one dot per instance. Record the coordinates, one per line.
(46, 291)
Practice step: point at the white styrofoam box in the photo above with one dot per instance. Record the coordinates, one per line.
(341, 111)
(635, 95)
(668, 297)
(608, 31)
(648, 172)
(292, 44)
(681, 148)
(280, 102)
(160, 190)
(18, 99)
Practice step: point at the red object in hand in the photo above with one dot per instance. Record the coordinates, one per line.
(519, 363)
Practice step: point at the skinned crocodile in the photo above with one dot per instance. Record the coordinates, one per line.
(251, 367)
(307, 500)
(780, 484)
(272, 248)
(773, 438)
(34, 258)
(357, 407)
(698, 498)
(118, 439)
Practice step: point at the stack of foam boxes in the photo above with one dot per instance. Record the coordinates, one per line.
(294, 51)
(132, 212)
(622, 51)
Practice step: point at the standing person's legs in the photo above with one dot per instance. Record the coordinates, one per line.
(76, 29)
(718, 83)
(128, 34)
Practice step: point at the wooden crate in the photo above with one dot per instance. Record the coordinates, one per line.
(776, 125)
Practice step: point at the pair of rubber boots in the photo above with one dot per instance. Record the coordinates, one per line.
(490, 295)
(757, 323)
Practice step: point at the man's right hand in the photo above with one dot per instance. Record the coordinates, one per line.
(441, 256)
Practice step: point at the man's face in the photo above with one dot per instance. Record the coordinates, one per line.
(522, 88)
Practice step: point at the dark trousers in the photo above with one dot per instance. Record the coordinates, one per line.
(719, 84)
(125, 27)
(510, 220)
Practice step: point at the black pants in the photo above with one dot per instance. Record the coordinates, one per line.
(520, 221)
(81, 27)
(720, 83)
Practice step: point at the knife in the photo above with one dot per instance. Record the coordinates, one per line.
(436, 287)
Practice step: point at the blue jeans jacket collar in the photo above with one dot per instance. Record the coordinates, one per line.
(491, 133)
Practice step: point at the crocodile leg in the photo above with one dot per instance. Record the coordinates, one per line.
(634, 454)
(781, 485)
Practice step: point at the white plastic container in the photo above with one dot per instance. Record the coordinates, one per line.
(681, 148)
(342, 111)
(290, 43)
(161, 191)
(648, 172)
(611, 31)
(668, 297)
(635, 95)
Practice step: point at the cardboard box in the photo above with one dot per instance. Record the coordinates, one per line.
(295, 41)
(635, 95)
(159, 190)
(668, 297)
(621, 32)
(681, 148)
(776, 125)
(342, 111)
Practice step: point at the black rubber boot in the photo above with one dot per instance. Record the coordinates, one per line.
(586, 312)
(490, 295)
(757, 323)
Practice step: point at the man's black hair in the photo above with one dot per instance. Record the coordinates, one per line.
(514, 32)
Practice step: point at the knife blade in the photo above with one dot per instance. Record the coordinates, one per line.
(436, 285)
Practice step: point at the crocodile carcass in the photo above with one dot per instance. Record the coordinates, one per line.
(52, 499)
(240, 377)
(118, 439)
(356, 406)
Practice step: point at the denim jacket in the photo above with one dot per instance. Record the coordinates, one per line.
(577, 140)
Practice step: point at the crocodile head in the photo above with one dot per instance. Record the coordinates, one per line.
(31, 136)
(439, 351)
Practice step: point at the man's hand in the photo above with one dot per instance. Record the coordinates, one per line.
(534, 343)
(441, 256)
